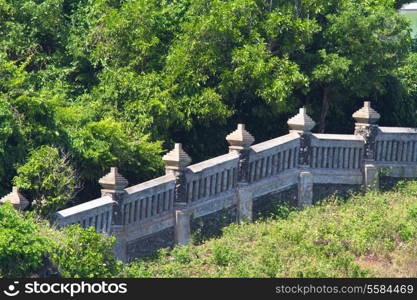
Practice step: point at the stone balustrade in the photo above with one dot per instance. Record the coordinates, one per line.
(298, 168)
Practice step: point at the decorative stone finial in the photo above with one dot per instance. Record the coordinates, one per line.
(240, 138)
(366, 115)
(18, 201)
(301, 122)
(113, 182)
(176, 159)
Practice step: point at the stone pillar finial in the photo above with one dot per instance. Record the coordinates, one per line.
(177, 159)
(18, 201)
(366, 127)
(113, 182)
(240, 138)
(366, 115)
(301, 122)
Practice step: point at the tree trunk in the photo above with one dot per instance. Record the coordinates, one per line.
(307, 100)
(324, 108)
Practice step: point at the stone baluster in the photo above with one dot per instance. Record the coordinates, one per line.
(302, 124)
(366, 126)
(176, 162)
(240, 141)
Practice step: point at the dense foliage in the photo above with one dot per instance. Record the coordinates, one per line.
(29, 246)
(83, 253)
(22, 247)
(372, 235)
(50, 178)
(114, 82)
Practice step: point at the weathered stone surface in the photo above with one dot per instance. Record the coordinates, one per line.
(113, 182)
(120, 246)
(305, 157)
(305, 188)
(211, 225)
(265, 205)
(301, 122)
(366, 115)
(322, 191)
(147, 245)
(371, 178)
(182, 227)
(18, 201)
(243, 166)
(245, 202)
(176, 159)
(240, 138)
(369, 134)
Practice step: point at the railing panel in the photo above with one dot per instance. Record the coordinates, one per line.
(396, 144)
(151, 199)
(95, 213)
(274, 156)
(212, 177)
(336, 151)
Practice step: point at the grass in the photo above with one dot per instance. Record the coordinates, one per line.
(371, 235)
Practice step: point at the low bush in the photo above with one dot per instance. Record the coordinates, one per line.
(23, 249)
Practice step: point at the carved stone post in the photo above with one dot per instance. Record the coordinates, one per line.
(113, 184)
(176, 162)
(365, 126)
(305, 188)
(18, 201)
(302, 124)
(240, 141)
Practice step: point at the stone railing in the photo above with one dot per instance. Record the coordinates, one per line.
(336, 151)
(211, 178)
(395, 144)
(273, 157)
(96, 213)
(298, 168)
(148, 201)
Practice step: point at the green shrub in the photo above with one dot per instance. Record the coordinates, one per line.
(181, 254)
(223, 255)
(83, 253)
(22, 248)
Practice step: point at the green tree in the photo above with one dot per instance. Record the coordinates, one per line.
(49, 178)
(359, 45)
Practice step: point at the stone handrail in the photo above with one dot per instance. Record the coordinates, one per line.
(396, 144)
(211, 177)
(336, 151)
(274, 156)
(151, 199)
(96, 213)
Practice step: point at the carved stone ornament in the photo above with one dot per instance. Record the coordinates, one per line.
(240, 138)
(301, 122)
(18, 201)
(305, 150)
(177, 158)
